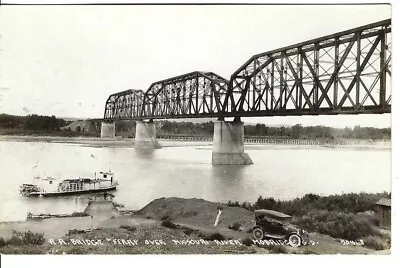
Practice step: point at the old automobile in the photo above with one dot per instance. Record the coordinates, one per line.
(276, 225)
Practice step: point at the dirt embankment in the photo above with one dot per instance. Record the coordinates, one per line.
(196, 211)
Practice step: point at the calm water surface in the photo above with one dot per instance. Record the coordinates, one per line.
(282, 172)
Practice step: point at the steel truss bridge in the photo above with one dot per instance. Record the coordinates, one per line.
(344, 73)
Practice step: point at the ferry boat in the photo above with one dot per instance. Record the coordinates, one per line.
(103, 183)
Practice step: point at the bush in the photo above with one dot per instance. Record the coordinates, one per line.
(348, 203)
(165, 217)
(187, 230)
(26, 238)
(337, 224)
(245, 205)
(169, 224)
(128, 228)
(2, 242)
(247, 242)
(75, 231)
(235, 226)
(215, 236)
(373, 242)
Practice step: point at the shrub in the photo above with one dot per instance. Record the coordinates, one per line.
(2, 242)
(247, 241)
(215, 236)
(337, 224)
(373, 242)
(26, 238)
(235, 226)
(245, 205)
(128, 228)
(349, 203)
(16, 239)
(75, 231)
(187, 230)
(375, 219)
(165, 217)
(169, 224)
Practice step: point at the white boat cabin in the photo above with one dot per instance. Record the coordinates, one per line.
(84, 184)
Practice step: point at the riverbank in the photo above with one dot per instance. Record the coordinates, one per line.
(164, 226)
(252, 144)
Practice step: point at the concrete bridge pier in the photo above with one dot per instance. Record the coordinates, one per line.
(107, 129)
(145, 137)
(228, 144)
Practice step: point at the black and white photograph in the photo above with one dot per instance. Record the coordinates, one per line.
(189, 128)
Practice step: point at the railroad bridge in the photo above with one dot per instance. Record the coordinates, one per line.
(343, 73)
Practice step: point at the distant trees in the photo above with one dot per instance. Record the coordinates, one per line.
(187, 128)
(31, 122)
(297, 131)
(312, 132)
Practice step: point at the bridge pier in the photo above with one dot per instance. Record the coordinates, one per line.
(145, 137)
(107, 130)
(228, 144)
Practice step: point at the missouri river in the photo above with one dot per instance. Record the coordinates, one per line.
(279, 171)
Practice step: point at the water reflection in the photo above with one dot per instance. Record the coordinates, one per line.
(229, 174)
(229, 182)
(145, 153)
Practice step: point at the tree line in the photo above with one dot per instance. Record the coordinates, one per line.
(297, 131)
(32, 122)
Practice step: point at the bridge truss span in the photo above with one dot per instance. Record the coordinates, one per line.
(124, 104)
(346, 72)
(196, 94)
(343, 73)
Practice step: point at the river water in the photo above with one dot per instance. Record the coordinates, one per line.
(279, 171)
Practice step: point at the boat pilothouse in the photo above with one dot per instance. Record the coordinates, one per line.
(102, 183)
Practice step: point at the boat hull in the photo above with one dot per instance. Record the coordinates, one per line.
(89, 191)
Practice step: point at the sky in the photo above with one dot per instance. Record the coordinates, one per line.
(66, 60)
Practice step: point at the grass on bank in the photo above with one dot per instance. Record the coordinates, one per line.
(23, 238)
(347, 216)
